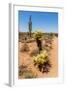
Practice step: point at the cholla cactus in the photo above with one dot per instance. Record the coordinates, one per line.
(42, 61)
(38, 36)
(40, 58)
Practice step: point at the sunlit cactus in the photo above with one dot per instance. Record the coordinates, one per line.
(38, 36)
(40, 58)
(42, 62)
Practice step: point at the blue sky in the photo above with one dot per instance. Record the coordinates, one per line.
(45, 21)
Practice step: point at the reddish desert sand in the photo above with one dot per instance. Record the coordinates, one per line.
(24, 58)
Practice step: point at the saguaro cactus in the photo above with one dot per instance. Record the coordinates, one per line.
(30, 26)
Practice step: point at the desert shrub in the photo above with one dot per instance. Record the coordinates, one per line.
(52, 35)
(22, 69)
(25, 48)
(26, 72)
(29, 40)
(48, 43)
(29, 74)
(56, 34)
(34, 52)
(47, 46)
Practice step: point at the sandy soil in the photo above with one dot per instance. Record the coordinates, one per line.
(24, 58)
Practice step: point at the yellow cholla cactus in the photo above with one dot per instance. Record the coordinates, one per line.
(40, 58)
(38, 34)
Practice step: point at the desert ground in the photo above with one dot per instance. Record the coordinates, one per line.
(24, 58)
